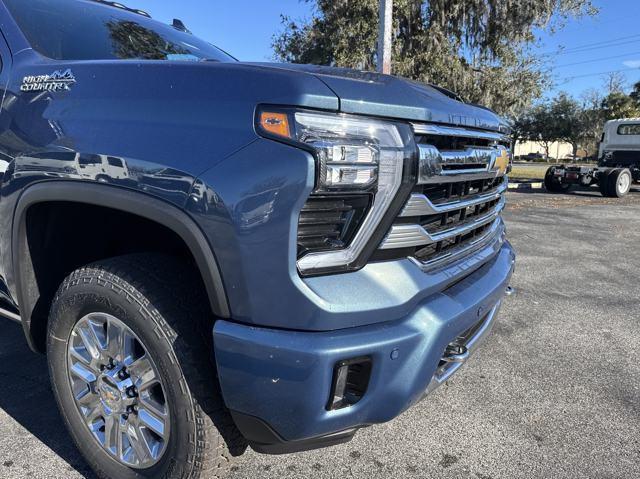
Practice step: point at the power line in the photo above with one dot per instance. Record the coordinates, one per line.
(585, 50)
(615, 42)
(580, 47)
(600, 73)
(596, 60)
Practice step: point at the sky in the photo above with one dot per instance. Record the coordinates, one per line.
(579, 55)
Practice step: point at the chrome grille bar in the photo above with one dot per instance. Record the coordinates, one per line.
(439, 130)
(495, 234)
(420, 205)
(406, 236)
(435, 164)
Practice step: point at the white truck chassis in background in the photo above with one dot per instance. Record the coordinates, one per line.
(618, 163)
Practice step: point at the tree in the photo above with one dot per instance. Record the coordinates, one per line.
(619, 105)
(132, 40)
(477, 48)
(570, 122)
(593, 119)
(539, 124)
(615, 82)
(635, 93)
(519, 130)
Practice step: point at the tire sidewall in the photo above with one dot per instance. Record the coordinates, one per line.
(73, 303)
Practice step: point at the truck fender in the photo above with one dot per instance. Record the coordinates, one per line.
(114, 197)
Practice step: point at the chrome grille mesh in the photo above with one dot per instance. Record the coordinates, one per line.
(455, 209)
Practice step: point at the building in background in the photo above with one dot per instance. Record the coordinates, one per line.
(558, 150)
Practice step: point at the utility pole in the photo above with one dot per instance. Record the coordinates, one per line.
(384, 36)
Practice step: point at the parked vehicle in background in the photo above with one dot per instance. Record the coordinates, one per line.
(618, 163)
(88, 166)
(102, 167)
(215, 254)
(531, 157)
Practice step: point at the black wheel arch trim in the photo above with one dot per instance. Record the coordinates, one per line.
(114, 197)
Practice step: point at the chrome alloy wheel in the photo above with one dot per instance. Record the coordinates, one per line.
(118, 391)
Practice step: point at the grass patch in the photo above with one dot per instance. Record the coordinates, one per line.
(533, 172)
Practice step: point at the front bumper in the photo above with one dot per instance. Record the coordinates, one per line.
(277, 382)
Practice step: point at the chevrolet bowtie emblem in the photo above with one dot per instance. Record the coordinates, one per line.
(502, 160)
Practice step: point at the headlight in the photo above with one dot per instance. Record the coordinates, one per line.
(351, 152)
(359, 170)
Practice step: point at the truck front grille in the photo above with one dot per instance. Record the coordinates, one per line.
(455, 209)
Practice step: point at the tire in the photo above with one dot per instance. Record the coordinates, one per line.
(603, 183)
(552, 185)
(619, 182)
(156, 302)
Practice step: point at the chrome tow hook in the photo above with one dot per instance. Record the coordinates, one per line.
(455, 354)
(509, 291)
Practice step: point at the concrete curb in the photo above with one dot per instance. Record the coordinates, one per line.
(526, 186)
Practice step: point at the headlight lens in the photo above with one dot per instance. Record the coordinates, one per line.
(353, 153)
(359, 170)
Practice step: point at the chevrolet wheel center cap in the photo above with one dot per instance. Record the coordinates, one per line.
(109, 394)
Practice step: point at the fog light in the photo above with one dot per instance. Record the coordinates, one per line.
(350, 382)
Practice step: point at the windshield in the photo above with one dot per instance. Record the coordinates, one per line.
(88, 30)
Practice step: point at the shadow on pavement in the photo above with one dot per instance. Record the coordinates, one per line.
(26, 396)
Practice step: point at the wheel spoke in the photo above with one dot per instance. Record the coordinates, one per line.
(90, 341)
(82, 355)
(139, 443)
(119, 343)
(83, 372)
(147, 402)
(114, 339)
(89, 403)
(142, 372)
(152, 421)
(113, 435)
(92, 414)
(87, 398)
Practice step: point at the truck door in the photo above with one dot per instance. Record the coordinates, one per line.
(7, 305)
(5, 70)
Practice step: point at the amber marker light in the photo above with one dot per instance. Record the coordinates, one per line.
(275, 123)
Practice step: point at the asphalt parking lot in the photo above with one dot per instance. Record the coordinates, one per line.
(555, 391)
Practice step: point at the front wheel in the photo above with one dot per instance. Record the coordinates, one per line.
(132, 374)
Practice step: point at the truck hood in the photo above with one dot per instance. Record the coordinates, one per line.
(370, 93)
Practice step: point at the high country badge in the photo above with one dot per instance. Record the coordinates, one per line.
(57, 81)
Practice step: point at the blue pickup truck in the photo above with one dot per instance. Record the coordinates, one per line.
(216, 254)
